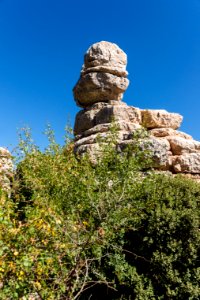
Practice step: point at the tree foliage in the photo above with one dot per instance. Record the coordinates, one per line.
(113, 229)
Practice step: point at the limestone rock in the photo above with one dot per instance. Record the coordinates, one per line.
(99, 91)
(160, 118)
(91, 149)
(119, 126)
(103, 75)
(4, 152)
(103, 113)
(98, 87)
(6, 169)
(159, 151)
(155, 148)
(103, 137)
(180, 145)
(105, 57)
(169, 132)
(118, 113)
(187, 163)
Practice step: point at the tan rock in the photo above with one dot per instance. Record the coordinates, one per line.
(118, 113)
(103, 75)
(6, 169)
(84, 121)
(160, 118)
(99, 87)
(187, 163)
(105, 57)
(120, 125)
(180, 145)
(4, 152)
(165, 132)
(106, 69)
(103, 113)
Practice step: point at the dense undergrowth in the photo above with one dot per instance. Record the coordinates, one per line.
(73, 229)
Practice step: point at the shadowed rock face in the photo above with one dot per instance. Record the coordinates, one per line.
(103, 75)
(99, 91)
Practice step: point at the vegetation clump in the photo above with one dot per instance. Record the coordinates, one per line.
(73, 229)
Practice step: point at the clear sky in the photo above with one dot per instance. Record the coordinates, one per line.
(42, 43)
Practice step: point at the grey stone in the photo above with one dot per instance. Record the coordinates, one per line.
(187, 163)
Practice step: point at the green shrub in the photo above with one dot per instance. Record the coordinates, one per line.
(75, 230)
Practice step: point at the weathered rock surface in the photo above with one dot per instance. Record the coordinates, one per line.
(159, 150)
(180, 145)
(166, 132)
(187, 163)
(160, 118)
(103, 75)
(103, 113)
(93, 87)
(105, 57)
(120, 125)
(6, 169)
(99, 89)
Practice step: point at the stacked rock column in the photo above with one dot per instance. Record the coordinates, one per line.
(99, 92)
(103, 75)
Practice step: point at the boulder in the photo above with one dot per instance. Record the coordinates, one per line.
(158, 149)
(187, 163)
(118, 113)
(105, 57)
(98, 87)
(103, 75)
(180, 145)
(160, 119)
(6, 169)
(103, 113)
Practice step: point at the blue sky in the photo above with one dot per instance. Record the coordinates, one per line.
(42, 43)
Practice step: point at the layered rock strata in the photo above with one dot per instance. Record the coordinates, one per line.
(172, 150)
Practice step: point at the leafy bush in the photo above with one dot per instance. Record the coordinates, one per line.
(110, 230)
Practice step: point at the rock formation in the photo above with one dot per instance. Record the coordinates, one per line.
(99, 91)
(103, 75)
(6, 169)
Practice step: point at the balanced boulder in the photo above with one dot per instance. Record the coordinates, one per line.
(103, 75)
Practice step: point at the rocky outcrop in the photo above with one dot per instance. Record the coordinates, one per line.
(103, 75)
(99, 91)
(6, 169)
